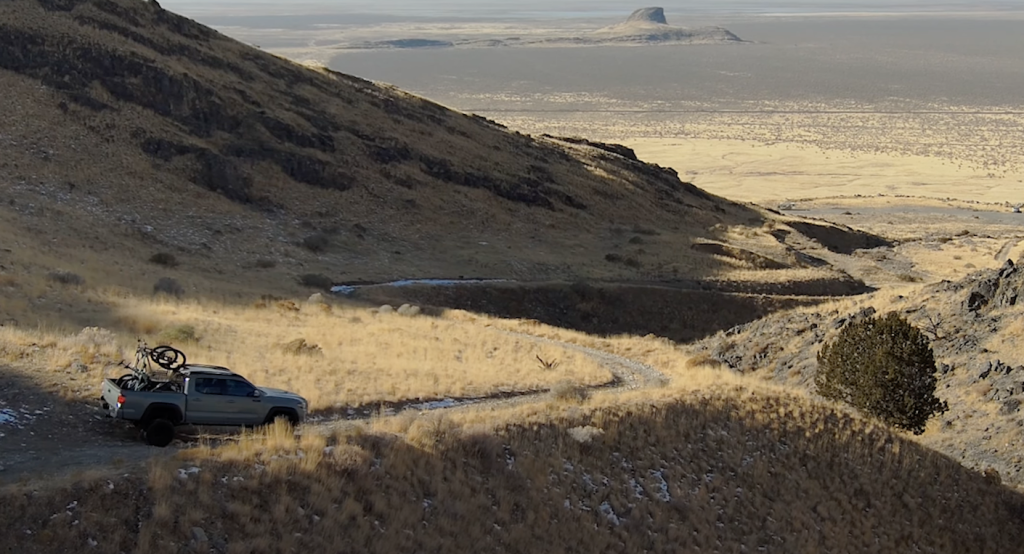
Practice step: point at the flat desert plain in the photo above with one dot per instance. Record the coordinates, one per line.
(771, 174)
(811, 106)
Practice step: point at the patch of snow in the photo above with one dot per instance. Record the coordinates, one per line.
(609, 513)
(348, 290)
(17, 419)
(8, 417)
(663, 493)
(638, 489)
(442, 404)
(184, 473)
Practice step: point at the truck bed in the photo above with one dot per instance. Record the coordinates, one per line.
(131, 405)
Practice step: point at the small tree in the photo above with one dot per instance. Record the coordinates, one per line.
(884, 367)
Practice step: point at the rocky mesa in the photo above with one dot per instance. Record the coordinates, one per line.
(649, 25)
(645, 26)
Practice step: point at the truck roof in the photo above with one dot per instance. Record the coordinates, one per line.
(190, 369)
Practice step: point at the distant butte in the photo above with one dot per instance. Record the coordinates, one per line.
(645, 26)
(649, 15)
(649, 26)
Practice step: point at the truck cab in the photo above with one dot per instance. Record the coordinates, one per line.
(218, 396)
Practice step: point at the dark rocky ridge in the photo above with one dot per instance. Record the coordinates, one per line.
(158, 116)
(219, 127)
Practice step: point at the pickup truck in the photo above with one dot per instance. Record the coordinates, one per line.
(209, 395)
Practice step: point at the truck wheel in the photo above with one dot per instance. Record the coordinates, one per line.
(160, 432)
(286, 415)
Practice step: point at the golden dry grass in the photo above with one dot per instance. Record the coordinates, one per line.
(365, 357)
(778, 169)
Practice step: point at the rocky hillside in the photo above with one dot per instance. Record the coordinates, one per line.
(126, 114)
(976, 326)
(178, 160)
(708, 473)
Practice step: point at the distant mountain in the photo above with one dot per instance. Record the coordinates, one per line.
(648, 15)
(644, 26)
(649, 25)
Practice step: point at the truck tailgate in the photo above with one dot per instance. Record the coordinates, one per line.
(110, 394)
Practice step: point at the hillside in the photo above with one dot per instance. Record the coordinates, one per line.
(975, 327)
(706, 472)
(161, 182)
(144, 132)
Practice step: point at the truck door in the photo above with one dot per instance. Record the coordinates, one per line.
(247, 405)
(208, 402)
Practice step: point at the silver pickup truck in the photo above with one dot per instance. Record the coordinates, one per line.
(204, 395)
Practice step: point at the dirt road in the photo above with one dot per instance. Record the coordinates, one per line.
(42, 442)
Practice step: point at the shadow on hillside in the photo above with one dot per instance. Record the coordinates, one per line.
(676, 313)
(49, 435)
(764, 474)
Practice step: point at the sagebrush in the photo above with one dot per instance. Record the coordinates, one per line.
(884, 367)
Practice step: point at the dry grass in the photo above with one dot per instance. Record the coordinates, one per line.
(728, 471)
(363, 357)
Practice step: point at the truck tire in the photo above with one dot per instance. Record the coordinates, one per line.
(288, 415)
(159, 432)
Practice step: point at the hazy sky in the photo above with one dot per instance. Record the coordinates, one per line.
(573, 8)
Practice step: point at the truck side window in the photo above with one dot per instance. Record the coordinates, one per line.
(209, 385)
(239, 388)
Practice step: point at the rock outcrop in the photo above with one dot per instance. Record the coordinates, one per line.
(649, 25)
(998, 290)
(648, 15)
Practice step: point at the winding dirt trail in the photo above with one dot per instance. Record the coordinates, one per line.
(57, 444)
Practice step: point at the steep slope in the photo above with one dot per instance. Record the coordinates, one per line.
(976, 327)
(707, 473)
(143, 131)
(190, 138)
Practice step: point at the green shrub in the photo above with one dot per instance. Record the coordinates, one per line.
(567, 391)
(316, 281)
(884, 367)
(317, 242)
(169, 286)
(179, 334)
(299, 347)
(165, 259)
(65, 278)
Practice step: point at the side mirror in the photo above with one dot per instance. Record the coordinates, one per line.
(256, 393)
